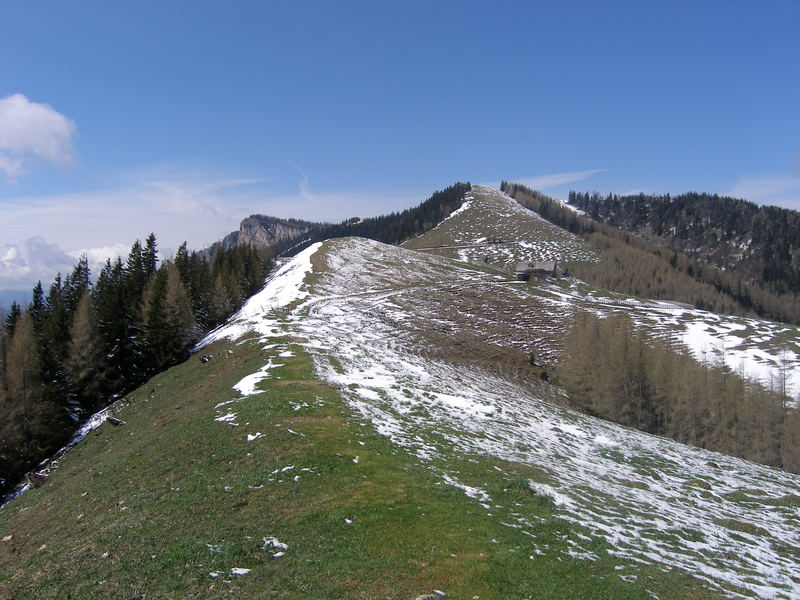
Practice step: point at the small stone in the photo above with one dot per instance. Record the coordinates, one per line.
(8, 538)
(104, 555)
(42, 547)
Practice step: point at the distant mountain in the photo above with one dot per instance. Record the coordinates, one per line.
(264, 231)
(761, 243)
(289, 236)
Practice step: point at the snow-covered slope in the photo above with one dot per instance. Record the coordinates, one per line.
(413, 342)
(493, 228)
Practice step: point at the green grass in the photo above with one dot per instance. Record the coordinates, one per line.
(153, 507)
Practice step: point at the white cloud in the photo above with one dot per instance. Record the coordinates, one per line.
(36, 259)
(543, 182)
(782, 190)
(97, 256)
(22, 265)
(176, 204)
(29, 132)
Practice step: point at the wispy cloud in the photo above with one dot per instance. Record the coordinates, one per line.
(781, 190)
(305, 186)
(543, 182)
(175, 203)
(32, 132)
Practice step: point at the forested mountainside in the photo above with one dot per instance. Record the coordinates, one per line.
(762, 243)
(289, 236)
(632, 264)
(79, 346)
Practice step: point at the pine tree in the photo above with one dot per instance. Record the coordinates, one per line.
(167, 318)
(183, 263)
(75, 284)
(122, 338)
(52, 337)
(135, 277)
(37, 308)
(11, 318)
(149, 256)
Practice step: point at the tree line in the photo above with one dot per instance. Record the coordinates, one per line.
(633, 265)
(80, 345)
(656, 385)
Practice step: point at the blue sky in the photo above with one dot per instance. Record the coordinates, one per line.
(183, 117)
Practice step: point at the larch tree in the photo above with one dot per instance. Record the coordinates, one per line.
(3, 349)
(85, 358)
(37, 422)
(178, 313)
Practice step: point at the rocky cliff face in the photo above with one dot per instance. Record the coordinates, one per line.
(262, 231)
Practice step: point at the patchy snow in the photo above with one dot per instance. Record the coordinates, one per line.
(274, 543)
(247, 386)
(465, 205)
(92, 423)
(284, 286)
(226, 418)
(714, 338)
(492, 228)
(665, 518)
(654, 501)
(239, 571)
(472, 492)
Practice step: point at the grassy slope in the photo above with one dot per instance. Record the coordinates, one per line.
(155, 506)
(492, 215)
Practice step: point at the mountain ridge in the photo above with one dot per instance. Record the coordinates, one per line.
(368, 387)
